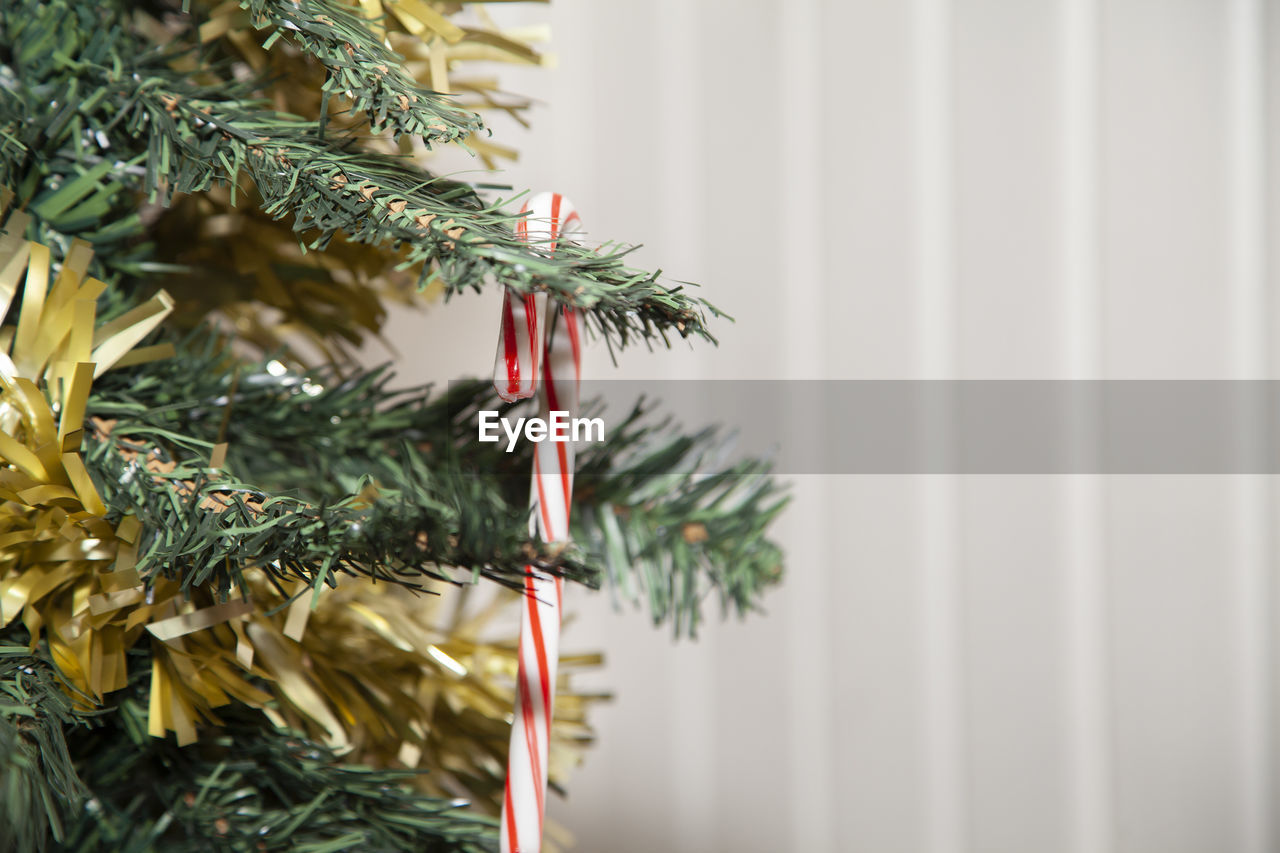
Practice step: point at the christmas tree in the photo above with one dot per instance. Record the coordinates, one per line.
(247, 586)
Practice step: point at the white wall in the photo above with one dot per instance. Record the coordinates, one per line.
(939, 188)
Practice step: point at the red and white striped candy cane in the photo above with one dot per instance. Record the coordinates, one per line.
(523, 804)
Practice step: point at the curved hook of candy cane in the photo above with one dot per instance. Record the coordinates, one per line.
(523, 804)
(516, 367)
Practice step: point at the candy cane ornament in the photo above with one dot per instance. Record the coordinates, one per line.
(560, 360)
(520, 337)
(519, 345)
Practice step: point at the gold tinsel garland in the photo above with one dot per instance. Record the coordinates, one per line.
(368, 668)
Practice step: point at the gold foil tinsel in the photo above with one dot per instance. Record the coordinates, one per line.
(63, 568)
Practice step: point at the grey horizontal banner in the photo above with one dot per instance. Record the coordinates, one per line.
(973, 426)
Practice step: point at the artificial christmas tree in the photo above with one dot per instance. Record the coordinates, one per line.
(246, 585)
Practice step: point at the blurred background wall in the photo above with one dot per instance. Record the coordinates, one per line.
(941, 189)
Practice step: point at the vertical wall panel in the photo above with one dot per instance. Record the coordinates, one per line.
(1251, 557)
(866, 231)
(1007, 266)
(1270, 227)
(744, 254)
(864, 225)
(875, 686)
(1167, 315)
(1088, 740)
(1011, 537)
(1016, 746)
(1164, 189)
(1174, 723)
(941, 663)
(811, 616)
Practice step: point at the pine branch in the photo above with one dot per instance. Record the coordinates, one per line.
(251, 787)
(77, 782)
(347, 488)
(157, 130)
(205, 528)
(41, 793)
(382, 200)
(652, 507)
(363, 69)
(671, 525)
